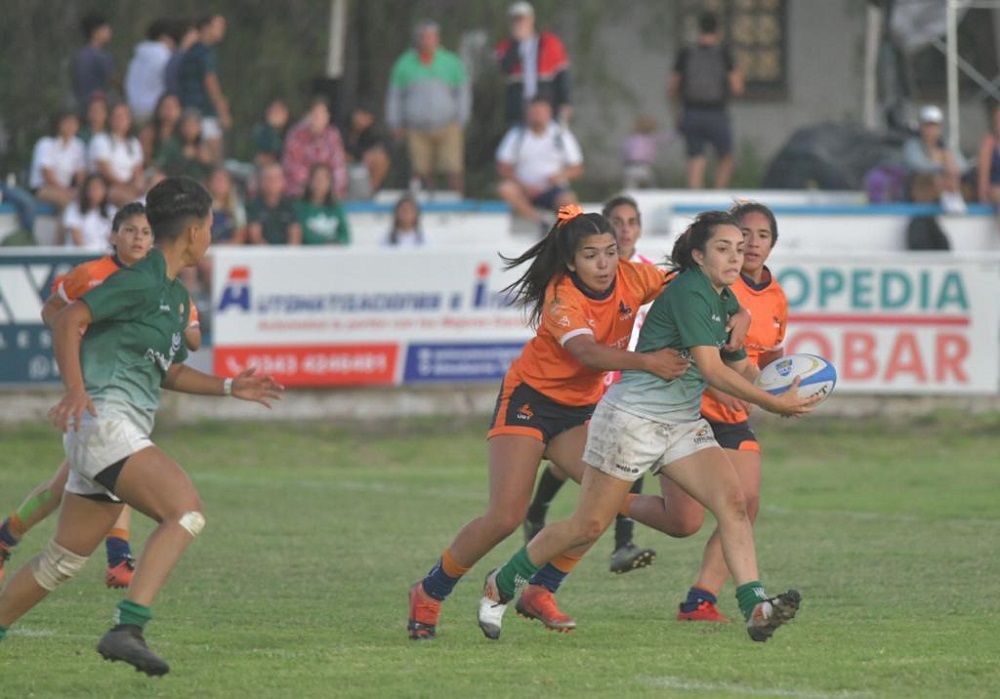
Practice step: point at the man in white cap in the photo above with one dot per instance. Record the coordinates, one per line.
(926, 154)
(534, 64)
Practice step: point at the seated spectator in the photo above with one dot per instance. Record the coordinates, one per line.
(406, 231)
(229, 221)
(187, 153)
(269, 134)
(271, 216)
(366, 152)
(314, 141)
(988, 172)
(536, 163)
(145, 77)
(96, 120)
(162, 128)
(321, 216)
(117, 155)
(86, 222)
(59, 163)
(927, 154)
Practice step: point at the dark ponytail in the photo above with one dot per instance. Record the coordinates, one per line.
(697, 236)
(550, 259)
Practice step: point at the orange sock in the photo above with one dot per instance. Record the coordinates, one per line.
(451, 567)
(16, 526)
(118, 533)
(565, 563)
(627, 503)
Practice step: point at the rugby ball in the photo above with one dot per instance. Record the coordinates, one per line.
(818, 376)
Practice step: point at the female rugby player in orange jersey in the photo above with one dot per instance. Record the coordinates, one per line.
(583, 301)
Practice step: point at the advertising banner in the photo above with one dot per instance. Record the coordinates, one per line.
(25, 342)
(904, 324)
(329, 317)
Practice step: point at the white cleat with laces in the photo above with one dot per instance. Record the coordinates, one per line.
(492, 608)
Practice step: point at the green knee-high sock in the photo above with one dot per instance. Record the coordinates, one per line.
(3, 632)
(514, 573)
(749, 595)
(132, 614)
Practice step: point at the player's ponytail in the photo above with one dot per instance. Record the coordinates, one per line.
(696, 237)
(550, 257)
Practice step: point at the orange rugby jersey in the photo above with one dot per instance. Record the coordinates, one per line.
(86, 276)
(546, 366)
(768, 319)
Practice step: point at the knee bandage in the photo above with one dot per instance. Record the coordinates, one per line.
(194, 522)
(55, 565)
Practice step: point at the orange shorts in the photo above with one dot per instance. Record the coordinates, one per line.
(738, 436)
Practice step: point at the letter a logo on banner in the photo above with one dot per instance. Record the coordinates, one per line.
(236, 292)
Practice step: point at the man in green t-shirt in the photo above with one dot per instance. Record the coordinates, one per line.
(133, 346)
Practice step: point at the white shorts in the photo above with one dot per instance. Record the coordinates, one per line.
(99, 443)
(626, 446)
(211, 128)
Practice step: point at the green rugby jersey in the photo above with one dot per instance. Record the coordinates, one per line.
(137, 333)
(689, 313)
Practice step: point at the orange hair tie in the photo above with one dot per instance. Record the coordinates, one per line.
(568, 213)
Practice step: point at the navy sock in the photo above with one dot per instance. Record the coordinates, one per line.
(439, 584)
(7, 539)
(548, 486)
(549, 577)
(118, 550)
(695, 597)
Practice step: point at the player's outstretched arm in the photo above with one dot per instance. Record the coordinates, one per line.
(67, 331)
(724, 378)
(249, 386)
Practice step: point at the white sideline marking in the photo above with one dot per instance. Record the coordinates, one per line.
(685, 685)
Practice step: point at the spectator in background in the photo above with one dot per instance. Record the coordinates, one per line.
(199, 83)
(96, 120)
(186, 153)
(92, 69)
(185, 34)
(366, 152)
(145, 78)
(271, 216)
(269, 134)
(988, 172)
(162, 128)
(533, 64)
(320, 215)
(117, 156)
(86, 223)
(314, 141)
(536, 163)
(59, 163)
(639, 153)
(229, 220)
(406, 231)
(704, 77)
(429, 102)
(927, 154)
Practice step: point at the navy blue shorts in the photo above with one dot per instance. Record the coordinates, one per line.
(703, 127)
(548, 198)
(522, 410)
(738, 436)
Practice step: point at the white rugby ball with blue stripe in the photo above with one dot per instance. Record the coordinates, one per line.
(817, 376)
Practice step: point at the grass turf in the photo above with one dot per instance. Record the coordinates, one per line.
(297, 587)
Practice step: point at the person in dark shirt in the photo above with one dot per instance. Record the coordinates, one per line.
(92, 69)
(271, 216)
(365, 146)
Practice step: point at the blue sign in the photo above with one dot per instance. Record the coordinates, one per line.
(25, 342)
(449, 362)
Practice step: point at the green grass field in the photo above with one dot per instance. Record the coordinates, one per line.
(297, 587)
